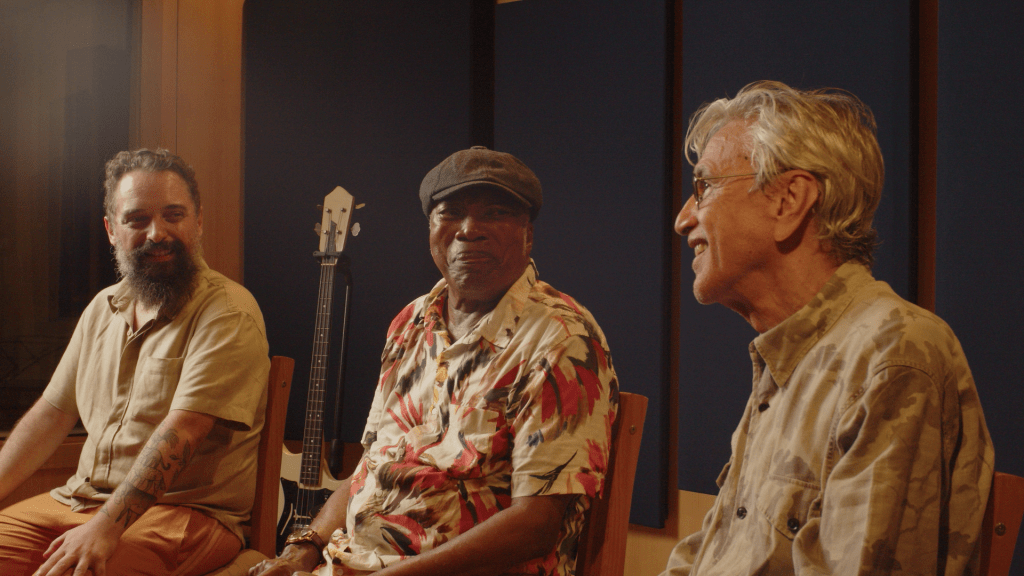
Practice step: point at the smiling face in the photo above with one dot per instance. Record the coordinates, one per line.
(156, 232)
(731, 232)
(481, 240)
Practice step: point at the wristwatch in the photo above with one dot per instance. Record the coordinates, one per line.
(308, 535)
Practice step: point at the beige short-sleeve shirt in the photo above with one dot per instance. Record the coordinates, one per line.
(211, 358)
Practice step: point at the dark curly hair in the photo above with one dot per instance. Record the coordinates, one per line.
(147, 161)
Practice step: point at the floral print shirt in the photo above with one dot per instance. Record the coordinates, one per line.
(521, 406)
(862, 450)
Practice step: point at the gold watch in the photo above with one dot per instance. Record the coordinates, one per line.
(308, 535)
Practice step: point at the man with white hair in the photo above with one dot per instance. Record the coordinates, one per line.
(862, 448)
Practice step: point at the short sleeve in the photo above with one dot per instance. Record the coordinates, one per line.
(225, 369)
(60, 392)
(562, 426)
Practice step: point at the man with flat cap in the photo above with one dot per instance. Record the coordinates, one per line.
(489, 429)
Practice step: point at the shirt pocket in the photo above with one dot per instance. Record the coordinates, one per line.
(155, 383)
(787, 504)
(474, 439)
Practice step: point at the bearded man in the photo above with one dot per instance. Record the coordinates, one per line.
(167, 371)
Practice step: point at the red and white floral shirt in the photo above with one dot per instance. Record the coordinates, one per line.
(521, 406)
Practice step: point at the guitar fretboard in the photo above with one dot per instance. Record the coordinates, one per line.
(312, 438)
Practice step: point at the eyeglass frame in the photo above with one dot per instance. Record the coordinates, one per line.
(697, 180)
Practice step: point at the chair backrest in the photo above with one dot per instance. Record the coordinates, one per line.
(1001, 524)
(602, 550)
(262, 536)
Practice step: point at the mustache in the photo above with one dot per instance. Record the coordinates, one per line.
(174, 246)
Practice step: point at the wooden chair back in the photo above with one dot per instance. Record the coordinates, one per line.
(263, 523)
(262, 536)
(602, 550)
(1002, 523)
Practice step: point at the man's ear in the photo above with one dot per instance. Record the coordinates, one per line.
(529, 238)
(110, 230)
(794, 200)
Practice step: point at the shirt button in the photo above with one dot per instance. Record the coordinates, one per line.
(741, 512)
(762, 407)
(793, 524)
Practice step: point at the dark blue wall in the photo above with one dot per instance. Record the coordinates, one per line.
(862, 47)
(979, 247)
(368, 96)
(372, 97)
(580, 95)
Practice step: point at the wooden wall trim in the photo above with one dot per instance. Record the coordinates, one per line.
(927, 66)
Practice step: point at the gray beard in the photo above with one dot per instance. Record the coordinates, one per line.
(166, 286)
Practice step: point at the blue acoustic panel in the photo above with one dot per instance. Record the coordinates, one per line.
(369, 96)
(580, 97)
(979, 247)
(862, 47)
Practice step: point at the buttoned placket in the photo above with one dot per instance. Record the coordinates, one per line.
(763, 390)
(128, 356)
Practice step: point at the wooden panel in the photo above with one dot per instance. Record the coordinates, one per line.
(209, 121)
(927, 148)
(648, 549)
(158, 63)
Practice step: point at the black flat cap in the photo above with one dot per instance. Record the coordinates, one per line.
(479, 166)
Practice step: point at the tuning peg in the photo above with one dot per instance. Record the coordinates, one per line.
(355, 227)
(316, 228)
(358, 206)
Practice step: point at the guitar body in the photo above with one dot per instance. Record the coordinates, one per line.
(298, 504)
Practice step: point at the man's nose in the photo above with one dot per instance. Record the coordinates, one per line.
(686, 219)
(157, 232)
(470, 229)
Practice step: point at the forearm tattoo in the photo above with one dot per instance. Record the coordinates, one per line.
(162, 459)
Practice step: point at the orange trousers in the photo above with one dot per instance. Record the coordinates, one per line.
(165, 540)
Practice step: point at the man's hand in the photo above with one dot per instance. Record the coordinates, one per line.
(82, 549)
(293, 560)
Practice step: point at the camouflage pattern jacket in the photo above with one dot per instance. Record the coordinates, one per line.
(862, 449)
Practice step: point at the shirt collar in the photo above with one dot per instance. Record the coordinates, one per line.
(498, 326)
(785, 345)
(122, 302)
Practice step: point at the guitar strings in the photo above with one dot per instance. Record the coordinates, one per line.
(313, 430)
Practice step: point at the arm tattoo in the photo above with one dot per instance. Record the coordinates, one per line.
(162, 459)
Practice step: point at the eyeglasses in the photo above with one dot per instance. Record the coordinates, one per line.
(701, 184)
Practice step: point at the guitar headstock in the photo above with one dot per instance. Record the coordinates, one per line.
(334, 226)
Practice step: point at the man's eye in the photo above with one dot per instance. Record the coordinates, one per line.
(500, 212)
